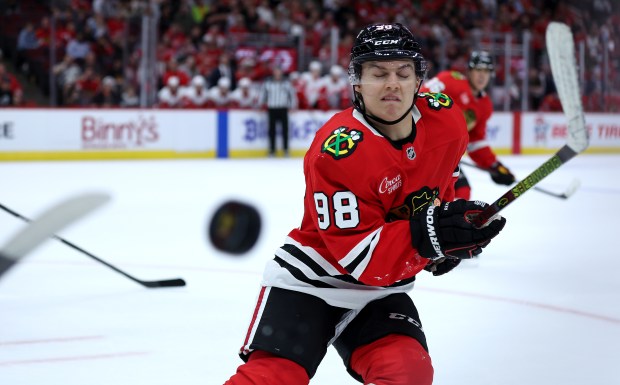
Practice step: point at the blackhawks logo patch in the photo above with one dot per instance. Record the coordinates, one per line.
(437, 101)
(342, 142)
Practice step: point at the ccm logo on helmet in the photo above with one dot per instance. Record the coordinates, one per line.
(386, 42)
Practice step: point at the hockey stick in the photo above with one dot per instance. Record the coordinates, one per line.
(57, 217)
(44, 227)
(570, 190)
(561, 50)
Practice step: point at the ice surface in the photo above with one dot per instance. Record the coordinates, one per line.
(540, 307)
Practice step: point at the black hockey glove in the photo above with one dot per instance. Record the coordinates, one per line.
(501, 175)
(442, 266)
(444, 231)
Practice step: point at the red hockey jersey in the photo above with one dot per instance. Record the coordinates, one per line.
(477, 110)
(354, 242)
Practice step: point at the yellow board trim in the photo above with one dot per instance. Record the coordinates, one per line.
(264, 153)
(101, 155)
(7, 156)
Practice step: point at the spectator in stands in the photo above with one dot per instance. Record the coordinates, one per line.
(43, 32)
(335, 90)
(536, 87)
(298, 85)
(311, 80)
(107, 96)
(96, 26)
(172, 70)
(277, 96)
(78, 47)
(6, 94)
(65, 32)
(245, 95)
(66, 73)
(225, 69)
(27, 39)
(7, 76)
(170, 95)
(129, 97)
(196, 94)
(220, 94)
(87, 85)
(10, 6)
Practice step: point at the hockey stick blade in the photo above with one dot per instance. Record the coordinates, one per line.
(51, 221)
(175, 282)
(570, 190)
(561, 49)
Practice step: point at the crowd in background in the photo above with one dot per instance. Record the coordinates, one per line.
(97, 47)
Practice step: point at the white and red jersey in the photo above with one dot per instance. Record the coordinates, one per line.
(335, 92)
(354, 242)
(244, 97)
(312, 86)
(195, 97)
(220, 97)
(169, 97)
(477, 110)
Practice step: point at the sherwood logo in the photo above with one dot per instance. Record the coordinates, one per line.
(432, 234)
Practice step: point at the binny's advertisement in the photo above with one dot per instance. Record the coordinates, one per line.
(85, 130)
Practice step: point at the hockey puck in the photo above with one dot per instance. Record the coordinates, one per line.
(235, 227)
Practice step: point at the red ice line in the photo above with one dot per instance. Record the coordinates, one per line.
(528, 303)
(459, 293)
(74, 358)
(50, 340)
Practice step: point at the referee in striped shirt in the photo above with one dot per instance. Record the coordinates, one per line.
(278, 96)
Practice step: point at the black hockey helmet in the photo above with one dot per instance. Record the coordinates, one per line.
(481, 60)
(385, 42)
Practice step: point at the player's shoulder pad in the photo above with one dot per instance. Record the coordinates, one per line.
(434, 101)
(457, 75)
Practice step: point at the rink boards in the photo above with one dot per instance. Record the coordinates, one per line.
(65, 134)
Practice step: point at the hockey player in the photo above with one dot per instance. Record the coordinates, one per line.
(245, 95)
(196, 95)
(170, 96)
(468, 92)
(378, 209)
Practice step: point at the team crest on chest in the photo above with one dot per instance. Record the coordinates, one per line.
(437, 101)
(342, 142)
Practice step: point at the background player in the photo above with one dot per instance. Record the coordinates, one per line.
(378, 209)
(468, 92)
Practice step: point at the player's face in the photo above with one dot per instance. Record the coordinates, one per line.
(388, 87)
(479, 78)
